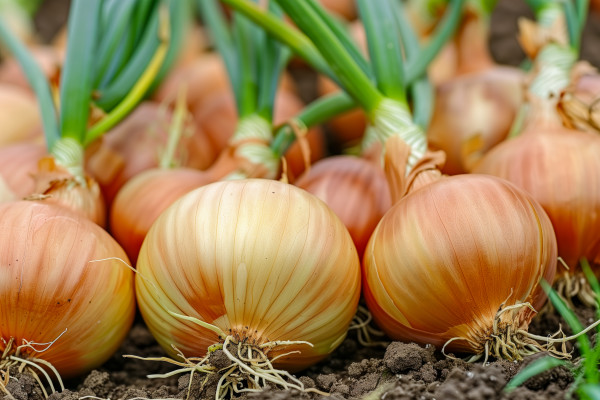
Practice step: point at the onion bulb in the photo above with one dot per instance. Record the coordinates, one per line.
(259, 260)
(66, 297)
(135, 145)
(355, 189)
(141, 200)
(448, 256)
(560, 168)
(19, 115)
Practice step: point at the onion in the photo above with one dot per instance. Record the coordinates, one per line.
(135, 145)
(355, 189)
(63, 289)
(30, 173)
(472, 114)
(141, 200)
(448, 256)
(19, 115)
(475, 109)
(259, 261)
(560, 168)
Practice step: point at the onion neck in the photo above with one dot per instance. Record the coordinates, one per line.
(69, 154)
(251, 142)
(393, 118)
(554, 58)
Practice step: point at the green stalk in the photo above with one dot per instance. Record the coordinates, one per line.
(321, 110)
(422, 92)
(271, 63)
(350, 75)
(246, 37)
(115, 90)
(213, 18)
(119, 20)
(78, 70)
(384, 47)
(295, 40)
(418, 67)
(38, 82)
(139, 89)
(341, 33)
(129, 43)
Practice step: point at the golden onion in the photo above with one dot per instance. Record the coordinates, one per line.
(261, 260)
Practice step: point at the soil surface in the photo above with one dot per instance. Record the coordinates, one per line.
(395, 371)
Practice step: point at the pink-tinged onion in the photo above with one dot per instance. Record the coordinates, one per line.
(141, 200)
(19, 115)
(355, 189)
(447, 256)
(560, 168)
(473, 113)
(261, 260)
(54, 288)
(135, 145)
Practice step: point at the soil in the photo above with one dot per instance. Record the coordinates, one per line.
(396, 371)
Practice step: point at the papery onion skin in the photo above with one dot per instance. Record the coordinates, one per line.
(48, 284)
(355, 189)
(560, 168)
(260, 259)
(445, 258)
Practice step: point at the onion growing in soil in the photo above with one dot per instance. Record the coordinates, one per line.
(66, 297)
(256, 263)
(447, 257)
(569, 190)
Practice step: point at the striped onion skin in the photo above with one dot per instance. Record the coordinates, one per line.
(560, 168)
(262, 260)
(355, 189)
(444, 258)
(48, 285)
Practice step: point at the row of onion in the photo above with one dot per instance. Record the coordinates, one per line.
(224, 259)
